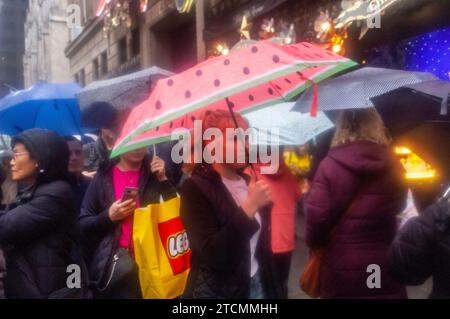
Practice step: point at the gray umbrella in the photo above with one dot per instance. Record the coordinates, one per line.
(355, 89)
(122, 92)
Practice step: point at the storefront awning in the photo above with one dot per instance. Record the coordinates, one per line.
(228, 22)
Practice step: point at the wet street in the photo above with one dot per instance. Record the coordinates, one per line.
(298, 263)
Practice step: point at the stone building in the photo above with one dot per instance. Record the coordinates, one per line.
(46, 36)
(12, 17)
(94, 56)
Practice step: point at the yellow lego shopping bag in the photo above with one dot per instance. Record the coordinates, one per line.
(161, 250)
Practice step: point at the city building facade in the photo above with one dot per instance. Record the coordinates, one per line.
(12, 17)
(46, 36)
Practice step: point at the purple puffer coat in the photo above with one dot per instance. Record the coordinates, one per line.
(368, 178)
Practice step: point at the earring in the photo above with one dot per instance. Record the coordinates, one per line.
(41, 171)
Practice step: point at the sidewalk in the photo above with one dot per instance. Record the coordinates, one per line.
(299, 260)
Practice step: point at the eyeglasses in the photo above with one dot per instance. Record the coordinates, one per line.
(15, 155)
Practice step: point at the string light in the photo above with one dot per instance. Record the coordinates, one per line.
(220, 49)
(337, 48)
(116, 13)
(337, 44)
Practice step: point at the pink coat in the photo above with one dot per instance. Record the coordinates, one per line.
(285, 194)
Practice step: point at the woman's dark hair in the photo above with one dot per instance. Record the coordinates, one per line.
(50, 151)
(101, 115)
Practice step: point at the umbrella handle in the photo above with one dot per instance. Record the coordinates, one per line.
(233, 116)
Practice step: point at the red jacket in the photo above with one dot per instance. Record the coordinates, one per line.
(285, 195)
(368, 175)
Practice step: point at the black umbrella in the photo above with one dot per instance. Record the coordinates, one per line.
(411, 105)
(122, 92)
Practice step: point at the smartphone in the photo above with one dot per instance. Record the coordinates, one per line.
(130, 193)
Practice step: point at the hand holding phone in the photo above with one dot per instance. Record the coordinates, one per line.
(124, 207)
(130, 193)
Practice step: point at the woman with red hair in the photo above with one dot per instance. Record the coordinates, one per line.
(227, 221)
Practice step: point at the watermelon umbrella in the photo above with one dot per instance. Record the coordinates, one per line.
(249, 79)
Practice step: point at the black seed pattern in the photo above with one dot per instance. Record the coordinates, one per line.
(254, 49)
(199, 73)
(276, 59)
(187, 94)
(300, 74)
(251, 97)
(158, 105)
(226, 62)
(288, 81)
(246, 71)
(217, 82)
(270, 90)
(170, 82)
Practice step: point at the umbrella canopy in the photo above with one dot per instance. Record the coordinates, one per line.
(406, 107)
(122, 92)
(50, 106)
(355, 89)
(294, 128)
(246, 80)
(437, 90)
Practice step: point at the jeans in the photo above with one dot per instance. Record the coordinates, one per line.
(256, 287)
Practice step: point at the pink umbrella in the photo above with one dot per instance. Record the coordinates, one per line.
(246, 80)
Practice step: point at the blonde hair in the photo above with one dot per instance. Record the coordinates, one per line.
(360, 125)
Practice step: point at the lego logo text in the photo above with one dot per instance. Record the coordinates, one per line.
(178, 244)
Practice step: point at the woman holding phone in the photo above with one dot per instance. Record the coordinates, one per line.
(106, 220)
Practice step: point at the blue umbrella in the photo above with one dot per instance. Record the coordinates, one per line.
(49, 106)
(292, 128)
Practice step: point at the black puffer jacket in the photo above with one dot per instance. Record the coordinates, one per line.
(219, 233)
(38, 232)
(100, 235)
(422, 249)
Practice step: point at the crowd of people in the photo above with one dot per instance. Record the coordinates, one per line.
(62, 204)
